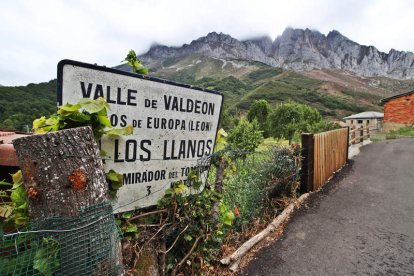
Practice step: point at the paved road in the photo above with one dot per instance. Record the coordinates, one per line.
(361, 225)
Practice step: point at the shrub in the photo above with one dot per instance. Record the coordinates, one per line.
(246, 136)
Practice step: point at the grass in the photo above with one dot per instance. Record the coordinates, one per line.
(271, 142)
(401, 133)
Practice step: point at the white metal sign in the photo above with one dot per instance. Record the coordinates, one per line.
(175, 126)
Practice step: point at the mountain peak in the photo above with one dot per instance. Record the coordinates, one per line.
(297, 49)
(217, 37)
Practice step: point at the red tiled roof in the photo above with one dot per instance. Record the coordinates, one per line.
(7, 153)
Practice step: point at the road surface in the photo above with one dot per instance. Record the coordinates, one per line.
(361, 224)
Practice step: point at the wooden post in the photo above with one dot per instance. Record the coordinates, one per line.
(361, 134)
(218, 183)
(63, 174)
(353, 135)
(347, 145)
(306, 180)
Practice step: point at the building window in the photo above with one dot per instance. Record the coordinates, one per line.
(359, 121)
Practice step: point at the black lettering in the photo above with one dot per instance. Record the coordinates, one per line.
(165, 157)
(137, 177)
(181, 105)
(181, 152)
(191, 149)
(208, 146)
(119, 101)
(108, 95)
(172, 150)
(190, 105)
(114, 120)
(200, 148)
(167, 102)
(116, 155)
(126, 178)
(132, 97)
(128, 143)
(143, 147)
(98, 91)
(86, 93)
(197, 107)
(204, 108)
(175, 104)
(211, 108)
(123, 121)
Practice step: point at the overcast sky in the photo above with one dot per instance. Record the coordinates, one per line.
(36, 35)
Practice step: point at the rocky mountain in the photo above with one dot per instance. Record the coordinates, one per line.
(295, 49)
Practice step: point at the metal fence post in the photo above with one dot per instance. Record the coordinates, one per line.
(306, 180)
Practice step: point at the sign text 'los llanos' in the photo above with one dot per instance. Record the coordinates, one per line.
(175, 126)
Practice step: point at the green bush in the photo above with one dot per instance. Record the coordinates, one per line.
(246, 136)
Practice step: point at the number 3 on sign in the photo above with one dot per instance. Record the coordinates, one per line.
(148, 190)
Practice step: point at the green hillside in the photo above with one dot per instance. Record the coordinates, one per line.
(242, 82)
(20, 105)
(335, 94)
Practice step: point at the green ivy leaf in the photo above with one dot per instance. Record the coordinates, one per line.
(115, 181)
(46, 259)
(228, 218)
(131, 229)
(121, 131)
(92, 106)
(127, 215)
(188, 237)
(18, 195)
(103, 119)
(68, 108)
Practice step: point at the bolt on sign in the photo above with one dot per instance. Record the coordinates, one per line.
(175, 127)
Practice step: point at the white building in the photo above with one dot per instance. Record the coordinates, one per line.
(369, 118)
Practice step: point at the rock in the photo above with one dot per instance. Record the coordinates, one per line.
(295, 49)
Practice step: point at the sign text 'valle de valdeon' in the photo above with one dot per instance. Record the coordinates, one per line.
(174, 127)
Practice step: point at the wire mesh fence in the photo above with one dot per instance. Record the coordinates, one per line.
(82, 245)
(253, 178)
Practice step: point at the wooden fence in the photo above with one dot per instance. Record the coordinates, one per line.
(358, 135)
(323, 154)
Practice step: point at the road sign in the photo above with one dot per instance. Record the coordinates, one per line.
(175, 127)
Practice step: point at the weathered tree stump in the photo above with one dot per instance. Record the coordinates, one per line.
(64, 177)
(62, 172)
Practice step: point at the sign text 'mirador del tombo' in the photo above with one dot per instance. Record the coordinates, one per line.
(174, 126)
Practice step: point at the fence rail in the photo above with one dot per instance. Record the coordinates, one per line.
(358, 135)
(323, 154)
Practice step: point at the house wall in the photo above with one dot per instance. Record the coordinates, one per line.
(399, 112)
(373, 123)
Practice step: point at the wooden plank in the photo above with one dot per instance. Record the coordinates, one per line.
(330, 150)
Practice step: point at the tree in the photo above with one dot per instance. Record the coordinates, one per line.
(227, 120)
(245, 136)
(291, 118)
(260, 110)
